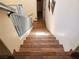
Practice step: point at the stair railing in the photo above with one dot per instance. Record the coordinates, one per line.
(21, 23)
(6, 8)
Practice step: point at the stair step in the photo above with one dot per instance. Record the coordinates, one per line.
(43, 57)
(36, 43)
(46, 37)
(29, 44)
(41, 46)
(41, 49)
(40, 41)
(41, 54)
(6, 57)
(3, 57)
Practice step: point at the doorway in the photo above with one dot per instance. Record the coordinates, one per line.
(39, 9)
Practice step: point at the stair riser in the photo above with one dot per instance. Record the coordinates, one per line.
(41, 37)
(41, 41)
(40, 54)
(42, 49)
(41, 46)
(43, 57)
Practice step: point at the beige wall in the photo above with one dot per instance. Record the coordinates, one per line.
(66, 17)
(8, 2)
(48, 18)
(64, 23)
(30, 6)
(8, 33)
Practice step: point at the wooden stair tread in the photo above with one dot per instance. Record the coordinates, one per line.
(41, 36)
(41, 42)
(43, 57)
(36, 43)
(29, 44)
(29, 40)
(41, 54)
(42, 49)
(41, 46)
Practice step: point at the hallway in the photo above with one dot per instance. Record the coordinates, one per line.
(40, 44)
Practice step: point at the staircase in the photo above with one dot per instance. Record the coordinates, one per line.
(40, 44)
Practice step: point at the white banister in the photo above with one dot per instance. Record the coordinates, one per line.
(6, 8)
